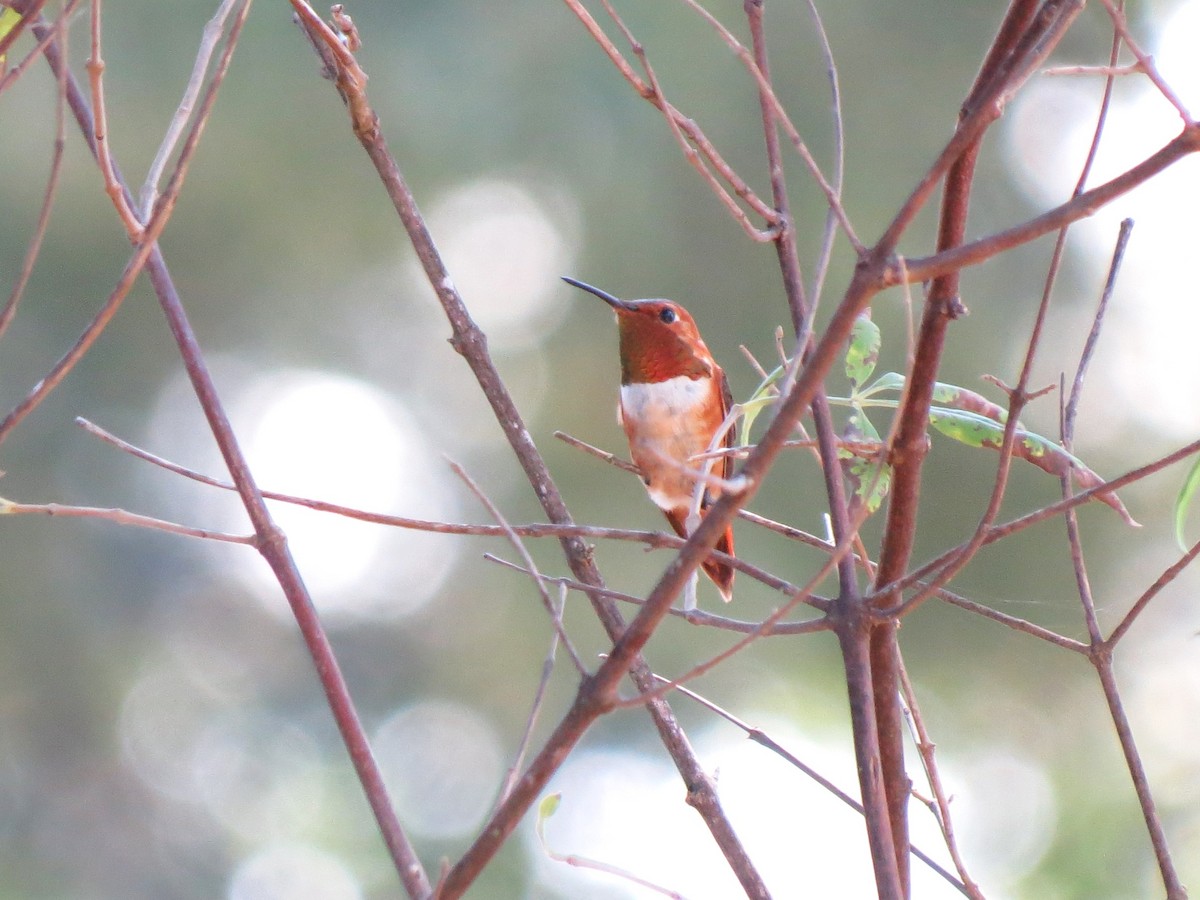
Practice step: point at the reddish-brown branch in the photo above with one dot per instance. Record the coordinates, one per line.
(910, 441)
(268, 539)
(595, 695)
(112, 185)
(60, 139)
(941, 803)
(920, 269)
(119, 517)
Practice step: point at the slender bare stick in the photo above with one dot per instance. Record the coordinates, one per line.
(112, 186)
(1102, 650)
(689, 127)
(1002, 530)
(925, 747)
(690, 154)
(693, 617)
(523, 552)
(118, 517)
(1169, 575)
(652, 539)
(1086, 204)
(594, 696)
(209, 39)
(269, 540)
(832, 218)
(43, 220)
(832, 191)
(1116, 12)
(763, 739)
(539, 697)
(28, 12)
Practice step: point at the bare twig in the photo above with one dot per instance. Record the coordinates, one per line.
(29, 12)
(763, 739)
(60, 139)
(539, 697)
(119, 517)
(269, 540)
(1101, 650)
(693, 157)
(693, 617)
(596, 693)
(209, 39)
(779, 112)
(112, 185)
(519, 546)
(1086, 204)
(694, 134)
(1116, 12)
(1004, 529)
(925, 747)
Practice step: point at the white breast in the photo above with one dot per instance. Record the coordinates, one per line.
(670, 398)
(663, 437)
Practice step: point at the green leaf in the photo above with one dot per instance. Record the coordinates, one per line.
(968, 428)
(549, 805)
(888, 381)
(8, 21)
(871, 479)
(862, 353)
(547, 808)
(759, 400)
(1183, 502)
(859, 426)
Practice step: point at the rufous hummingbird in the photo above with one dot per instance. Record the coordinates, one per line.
(674, 399)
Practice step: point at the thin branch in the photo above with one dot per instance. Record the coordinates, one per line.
(209, 39)
(539, 698)
(1086, 204)
(693, 617)
(652, 539)
(825, 254)
(1101, 650)
(28, 12)
(60, 139)
(694, 134)
(693, 157)
(1005, 529)
(594, 695)
(926, 748)
(269, 540)
(519, 545)
(779, 112)
(1169, 575)
(1134, 68)
(1116, 12)
(119, 517)
(763, 739)
(112, 185)
(27, 15)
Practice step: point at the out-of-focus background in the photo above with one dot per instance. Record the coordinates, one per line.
(161, 730)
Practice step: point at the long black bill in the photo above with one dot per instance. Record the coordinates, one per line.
(614, 302)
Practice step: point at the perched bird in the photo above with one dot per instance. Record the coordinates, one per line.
(674, 398)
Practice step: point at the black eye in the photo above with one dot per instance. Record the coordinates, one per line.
(667, 315)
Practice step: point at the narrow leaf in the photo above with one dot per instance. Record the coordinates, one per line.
(975, 430)
(862, 352)
(762, 397)
(1183, 502)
